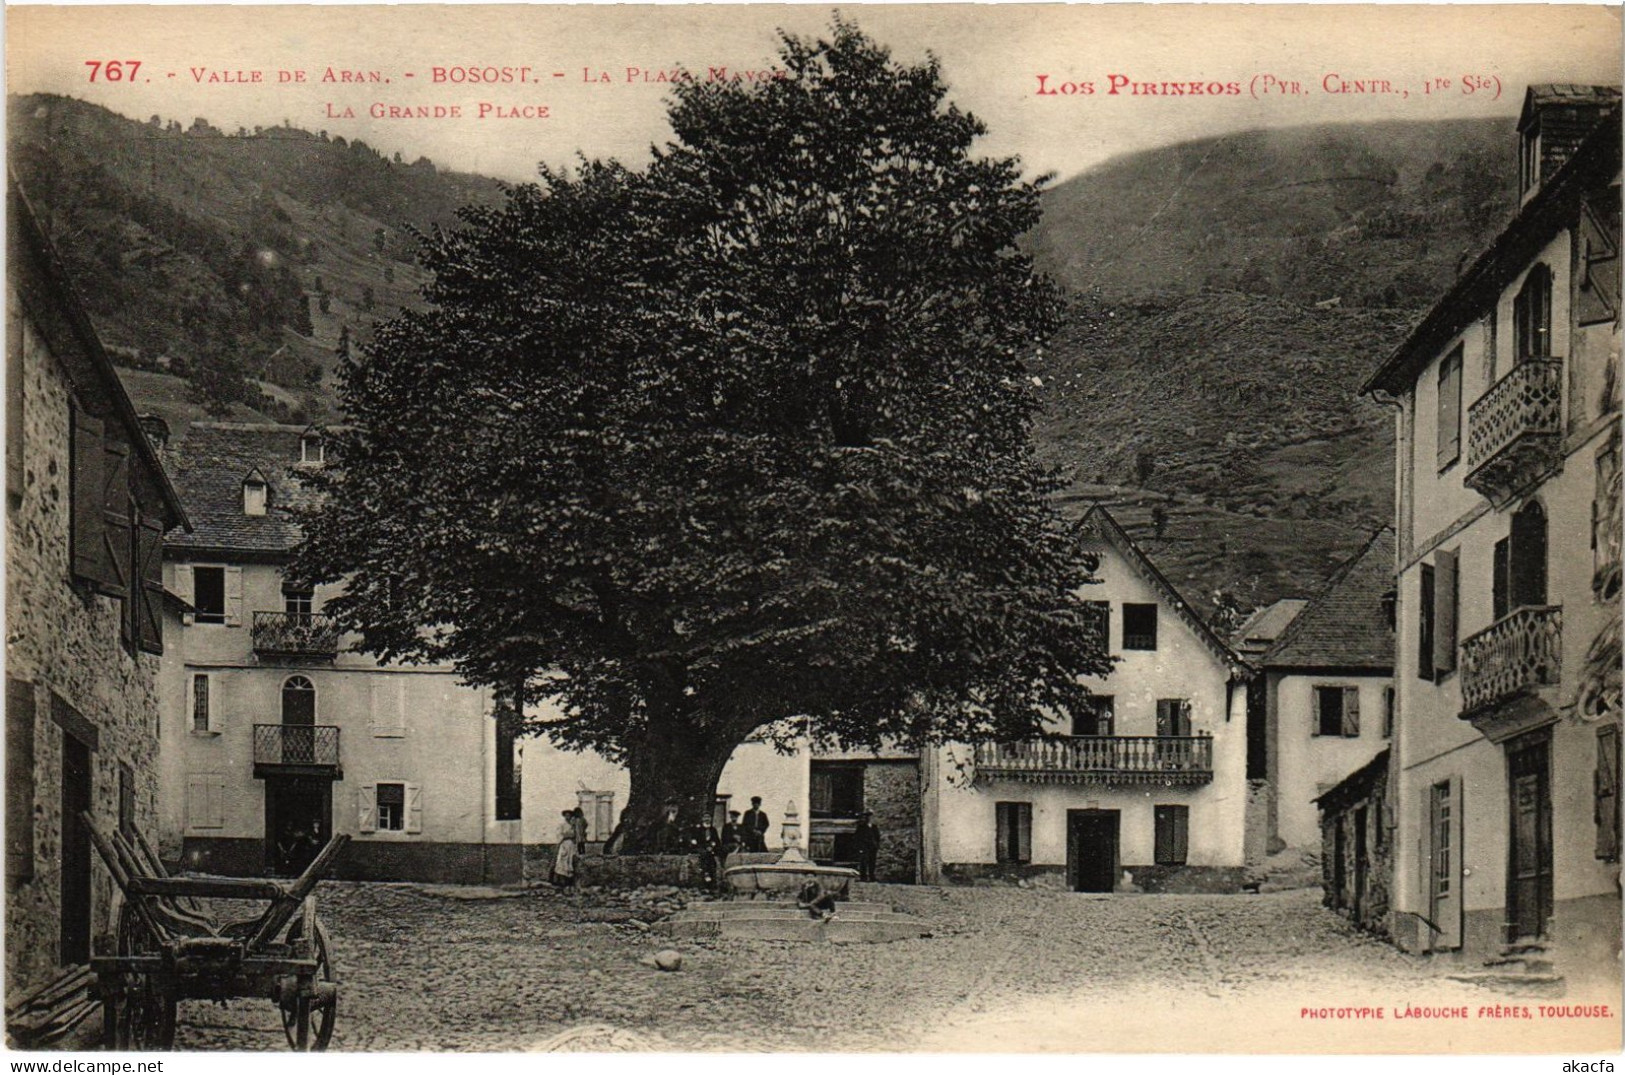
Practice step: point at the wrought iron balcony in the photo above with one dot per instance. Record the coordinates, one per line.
(1515, 430)
(1520, 651)
(1103, 759)
(296, 750)
(295, 636)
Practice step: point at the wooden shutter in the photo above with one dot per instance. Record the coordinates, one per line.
(1444, 613)
(1002, 829)
(1182, 833)
(149, 606)
(234, 596)
(1024, 832)
(1501, 584)
(388, 707)
(205, 800)
(1449, 439)
(1424, 622)
(1165, 717)
(414, 808)
(85, 493)
(1162, 853)
(1606, 800)
(1597, 275)
(19, 780)
(183, 584)
(118, 518)
(1351, 712)
(367, 808)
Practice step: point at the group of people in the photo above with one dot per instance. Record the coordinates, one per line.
(742, 833)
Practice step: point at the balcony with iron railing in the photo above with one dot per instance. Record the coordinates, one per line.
(1104, 759)
(1521, 651)
(296, 750)
(302, 636)
(1515, 430)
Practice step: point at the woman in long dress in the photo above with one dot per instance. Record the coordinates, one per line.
(564, 860)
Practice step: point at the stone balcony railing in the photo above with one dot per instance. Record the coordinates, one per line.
(295, 636)
(1521, 651)
(289, 748)
(1106, 759)
(1515, 430)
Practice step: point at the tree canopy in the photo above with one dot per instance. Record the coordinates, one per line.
(741, 437)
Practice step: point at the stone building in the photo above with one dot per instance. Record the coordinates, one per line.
(1357, 845)
(277, 734)
(1147, 791)
(886, 783)
(1506, 746)
(87, 507)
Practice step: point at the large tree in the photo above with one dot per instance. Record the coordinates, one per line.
(735, 442)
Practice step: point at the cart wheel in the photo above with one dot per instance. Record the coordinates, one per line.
(145, 1017)
(323, 1012)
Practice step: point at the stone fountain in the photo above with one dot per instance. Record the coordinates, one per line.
(761, 903)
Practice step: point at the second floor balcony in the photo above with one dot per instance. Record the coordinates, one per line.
(1103, 759)
(1521, 651)
(1515, 430)
(295, 636)
(296, 750)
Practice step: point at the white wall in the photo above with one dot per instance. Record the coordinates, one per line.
(1308, 764)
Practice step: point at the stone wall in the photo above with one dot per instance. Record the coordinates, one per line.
(63, 643)
(1150, 879)
(1363, 797)
(633, 871)
(891, 791)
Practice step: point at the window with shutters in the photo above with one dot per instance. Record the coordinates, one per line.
(1337, 712)
(1013, 839)
(1449, 422)
(202, 704)
(1100, 622)
(1532, 316)
(1446, 606)
(205, 801)
(1424, 622)
(19, 780)
(598, 809)
(209, 594)
(1173, 717)
(1139, 626)
(1606, 803)
(1097, 718)
(391, 807)
(1172, 835)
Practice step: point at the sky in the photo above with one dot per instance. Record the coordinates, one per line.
(594, 84)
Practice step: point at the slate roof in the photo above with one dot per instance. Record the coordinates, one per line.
(1564, 93)
(209, 466)
(1347, 625)
(1254, 637)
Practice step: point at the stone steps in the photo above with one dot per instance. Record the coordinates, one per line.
(1524, 968)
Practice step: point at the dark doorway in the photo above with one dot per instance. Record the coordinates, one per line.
(1339, 845)
(1091, 850)
(1529, 872)
(298, 822)
(76, 797)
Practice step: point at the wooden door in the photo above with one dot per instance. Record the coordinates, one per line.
(76, 798)
(1529, 871)
(1092, 857)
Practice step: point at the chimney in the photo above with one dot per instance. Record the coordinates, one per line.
(1556, 118)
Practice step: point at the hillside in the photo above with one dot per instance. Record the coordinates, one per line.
(1371, 214)
(230, 257)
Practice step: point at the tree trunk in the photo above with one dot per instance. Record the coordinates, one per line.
(678, 768)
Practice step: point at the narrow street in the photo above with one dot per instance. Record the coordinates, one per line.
(1005, 970)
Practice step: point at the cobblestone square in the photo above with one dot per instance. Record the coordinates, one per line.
(1006, 969)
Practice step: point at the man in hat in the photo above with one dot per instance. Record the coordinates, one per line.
(868, 840)
(755, 825)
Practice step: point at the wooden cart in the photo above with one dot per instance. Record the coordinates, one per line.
(169, 948)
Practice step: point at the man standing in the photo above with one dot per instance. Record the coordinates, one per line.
(868, 834)
(755, 823)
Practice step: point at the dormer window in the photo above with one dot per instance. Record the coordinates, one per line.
(255, 494)
(311, 448)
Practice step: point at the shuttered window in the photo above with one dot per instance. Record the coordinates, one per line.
(148, 608)
(205, 800)
(1013, 840)
(1607, 793)
(1449, 424)
(1173, 835)
(1444, 613)
(391, 807)
(1424, 622)
(1337, 712)
(1173, 716)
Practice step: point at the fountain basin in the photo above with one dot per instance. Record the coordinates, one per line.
(778, 879)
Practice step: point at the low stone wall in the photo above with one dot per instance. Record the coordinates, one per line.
(635, 871)
(1154, 879)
